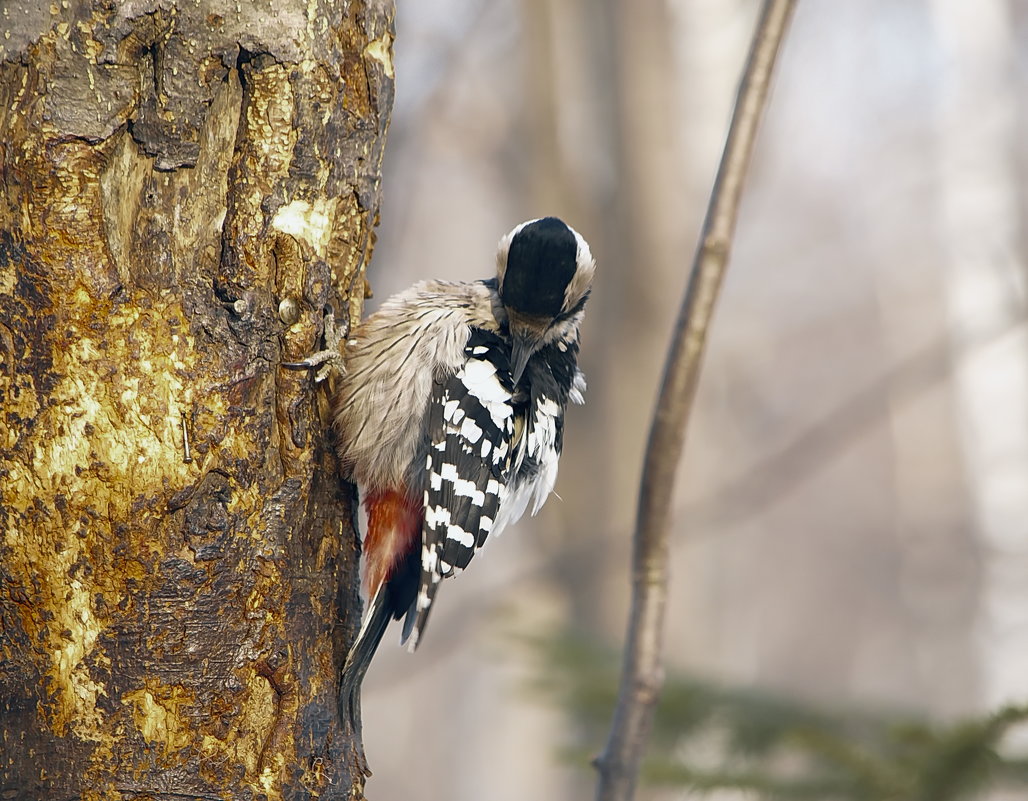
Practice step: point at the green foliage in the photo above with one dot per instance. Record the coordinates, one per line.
(708, 737)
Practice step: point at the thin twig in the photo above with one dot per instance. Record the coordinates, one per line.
(642, 673)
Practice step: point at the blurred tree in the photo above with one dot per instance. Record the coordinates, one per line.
(981, 210)
(708, 737)
(185, 187)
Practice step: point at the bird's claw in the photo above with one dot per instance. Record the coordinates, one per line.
(327, 362)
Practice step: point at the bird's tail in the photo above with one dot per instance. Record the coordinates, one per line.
(356, 666)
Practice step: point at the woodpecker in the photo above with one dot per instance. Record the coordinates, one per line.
(450, 419)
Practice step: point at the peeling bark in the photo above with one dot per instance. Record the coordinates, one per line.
(186, 186)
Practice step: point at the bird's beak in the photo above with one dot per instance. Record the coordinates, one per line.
(521, 351)
(526, 334)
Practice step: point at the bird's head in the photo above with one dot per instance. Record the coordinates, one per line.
(544, 271)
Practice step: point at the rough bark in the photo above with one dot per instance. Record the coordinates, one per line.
(185, 187)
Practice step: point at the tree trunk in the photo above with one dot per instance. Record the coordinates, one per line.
(186, 186)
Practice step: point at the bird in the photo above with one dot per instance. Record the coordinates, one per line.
(449, 417)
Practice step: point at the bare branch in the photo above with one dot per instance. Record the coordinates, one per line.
(642, 673)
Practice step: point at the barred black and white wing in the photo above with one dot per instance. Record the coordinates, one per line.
(471, 457)
(553, 379)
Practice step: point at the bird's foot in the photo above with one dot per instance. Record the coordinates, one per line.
(329, 361)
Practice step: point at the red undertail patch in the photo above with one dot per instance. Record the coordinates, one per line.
(394, 528)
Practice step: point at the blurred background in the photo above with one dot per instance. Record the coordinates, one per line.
(851, 523)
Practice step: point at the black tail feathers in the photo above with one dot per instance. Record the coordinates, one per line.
(356, 666)
(393, 600)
